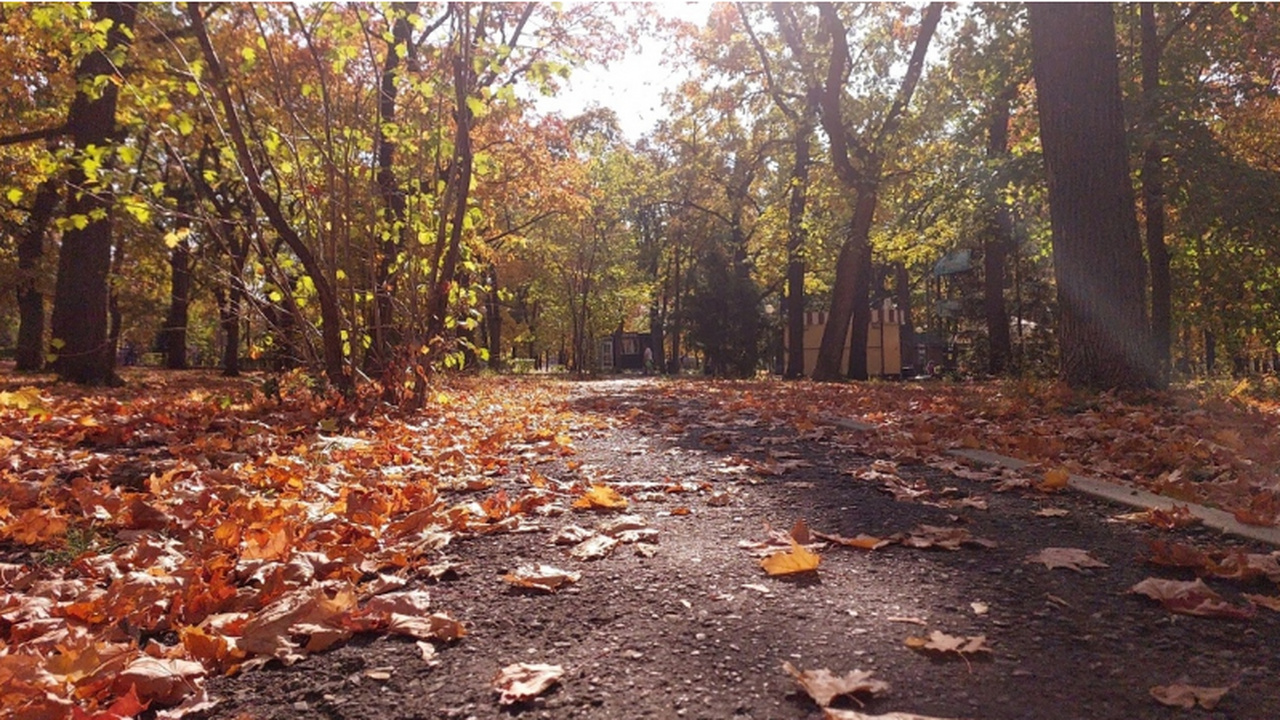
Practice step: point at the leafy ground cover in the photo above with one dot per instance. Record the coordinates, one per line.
(195, 546)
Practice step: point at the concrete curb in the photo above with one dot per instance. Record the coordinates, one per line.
(1130, 496)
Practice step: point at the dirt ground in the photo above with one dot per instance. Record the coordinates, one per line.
(693, 627)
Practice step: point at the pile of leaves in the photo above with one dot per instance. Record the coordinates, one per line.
(188, 525)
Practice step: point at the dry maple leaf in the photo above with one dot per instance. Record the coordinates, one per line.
(942, 643)
(1190, 598)
(1069, 558)
(790, 562)
(1267, 601)
(824, 686)
(1172, 518)
(1188, 696)
(601, 497)
(538, 576)
(594, 547)
(159, 680)
(525, 681)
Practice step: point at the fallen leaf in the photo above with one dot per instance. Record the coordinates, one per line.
(538, 576)
(1052, 512)
(160, 680)
(979, 607)
(942, 643)
(800, 532)
(600, 497)
(1190, 598)
(824, 686)
(525, 681)
(1054, 480)
(1267, 601)
(594, 548)
(1188, 696)
(571, 535)
(796, 560)
(1069, 558)
(861, 542)
(931, 536)
(1176, 516)
(838, 714)
(912, 620)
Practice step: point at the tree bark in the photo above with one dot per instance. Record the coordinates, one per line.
(330, 313)
(996, 243)
(29, 355)
(1104, 339)
(1153, 198)
(174, 333)
(80, 323)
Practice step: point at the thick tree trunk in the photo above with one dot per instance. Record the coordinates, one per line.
(29, 355)
(173, 335)
(1097, 251)
(81, 298)
(1153, 199)
(996, 244)
(330, 312)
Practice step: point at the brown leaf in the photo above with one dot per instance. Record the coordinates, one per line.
(525, 681)
(1069, 558)
(824, 686)
(942, 643)
(1269, 602)
(931, 536)
(1188, 696)
(862, 542)
(796, 560)
(538, 576)
(1190, 598)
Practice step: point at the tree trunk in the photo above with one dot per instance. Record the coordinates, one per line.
(330, 312)
(996, 243)
(80, 331)
(493, 320)
(1153, 199)
(1097, 252)
(796, 236)
(907, 330)
(393, 199)
(174, 333)
(29, 355)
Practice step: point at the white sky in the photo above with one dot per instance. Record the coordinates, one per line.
(632, 86)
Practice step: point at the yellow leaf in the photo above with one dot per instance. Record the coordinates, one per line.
(601, 497)
(796, 560)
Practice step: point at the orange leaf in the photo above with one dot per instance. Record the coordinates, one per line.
(1054, 480)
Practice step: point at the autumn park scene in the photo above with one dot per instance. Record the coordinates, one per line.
(858, 361)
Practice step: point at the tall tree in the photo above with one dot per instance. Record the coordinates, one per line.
(1097, 251)
(79, 322)
(29, 355)
(858, 154)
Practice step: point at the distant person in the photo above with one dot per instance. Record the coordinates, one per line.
(648, 360)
